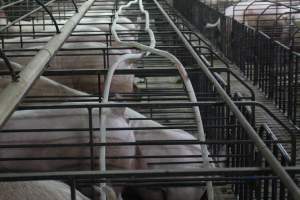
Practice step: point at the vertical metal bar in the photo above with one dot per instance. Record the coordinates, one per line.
(105, 65)
(285, 73)
(275, 181)
(91, 142)
(33, 27)
(2, 41)
(75, 6)
(295, 106)
(73, 188)
(43, 19)
(290, 86)
(21, 35)
(59, 12)
(99, 87)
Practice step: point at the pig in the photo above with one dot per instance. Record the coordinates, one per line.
(74, 118)
(174, 193)
(268, 17)
(37, 190)
(42, 87)
(102, 22)
(46, 190)
(65, 119)
(219, 3)
(261, 15)
(121, 83)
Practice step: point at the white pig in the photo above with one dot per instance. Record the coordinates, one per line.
(37, 190)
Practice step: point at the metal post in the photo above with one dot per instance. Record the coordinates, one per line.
(14, 92)
(261, 146)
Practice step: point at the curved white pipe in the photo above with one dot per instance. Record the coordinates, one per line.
(179, 66)
(109, 79)
(147, 26)
(186, 80)
(217, 24)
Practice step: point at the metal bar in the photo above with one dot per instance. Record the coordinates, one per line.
(123, 157)
(273, 162)
(75, 6)
(85, 175)
(140, 142)
(283, 152)
(50, 14)
(73, 188)
(14, 92)
(137, 71)
(11, 4)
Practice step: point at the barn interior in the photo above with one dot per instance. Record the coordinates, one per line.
(149, 99)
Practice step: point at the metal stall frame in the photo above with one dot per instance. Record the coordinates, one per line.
(268, 63)
(275, 165)
(13, 94)
(229, 103)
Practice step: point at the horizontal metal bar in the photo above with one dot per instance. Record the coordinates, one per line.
(111, 174)
(157, 105)
(47, 158)
(11, 4)
(200, 180)
(140, 143)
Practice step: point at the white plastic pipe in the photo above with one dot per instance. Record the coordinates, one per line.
(181, 69)
(108, 80)
(147, 26)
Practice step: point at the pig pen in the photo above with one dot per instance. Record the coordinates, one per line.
(263, 45)
(165, 161)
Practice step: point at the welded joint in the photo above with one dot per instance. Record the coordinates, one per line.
(48, 51)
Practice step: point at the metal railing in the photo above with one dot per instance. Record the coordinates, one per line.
(232, 150)
(269, 64)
